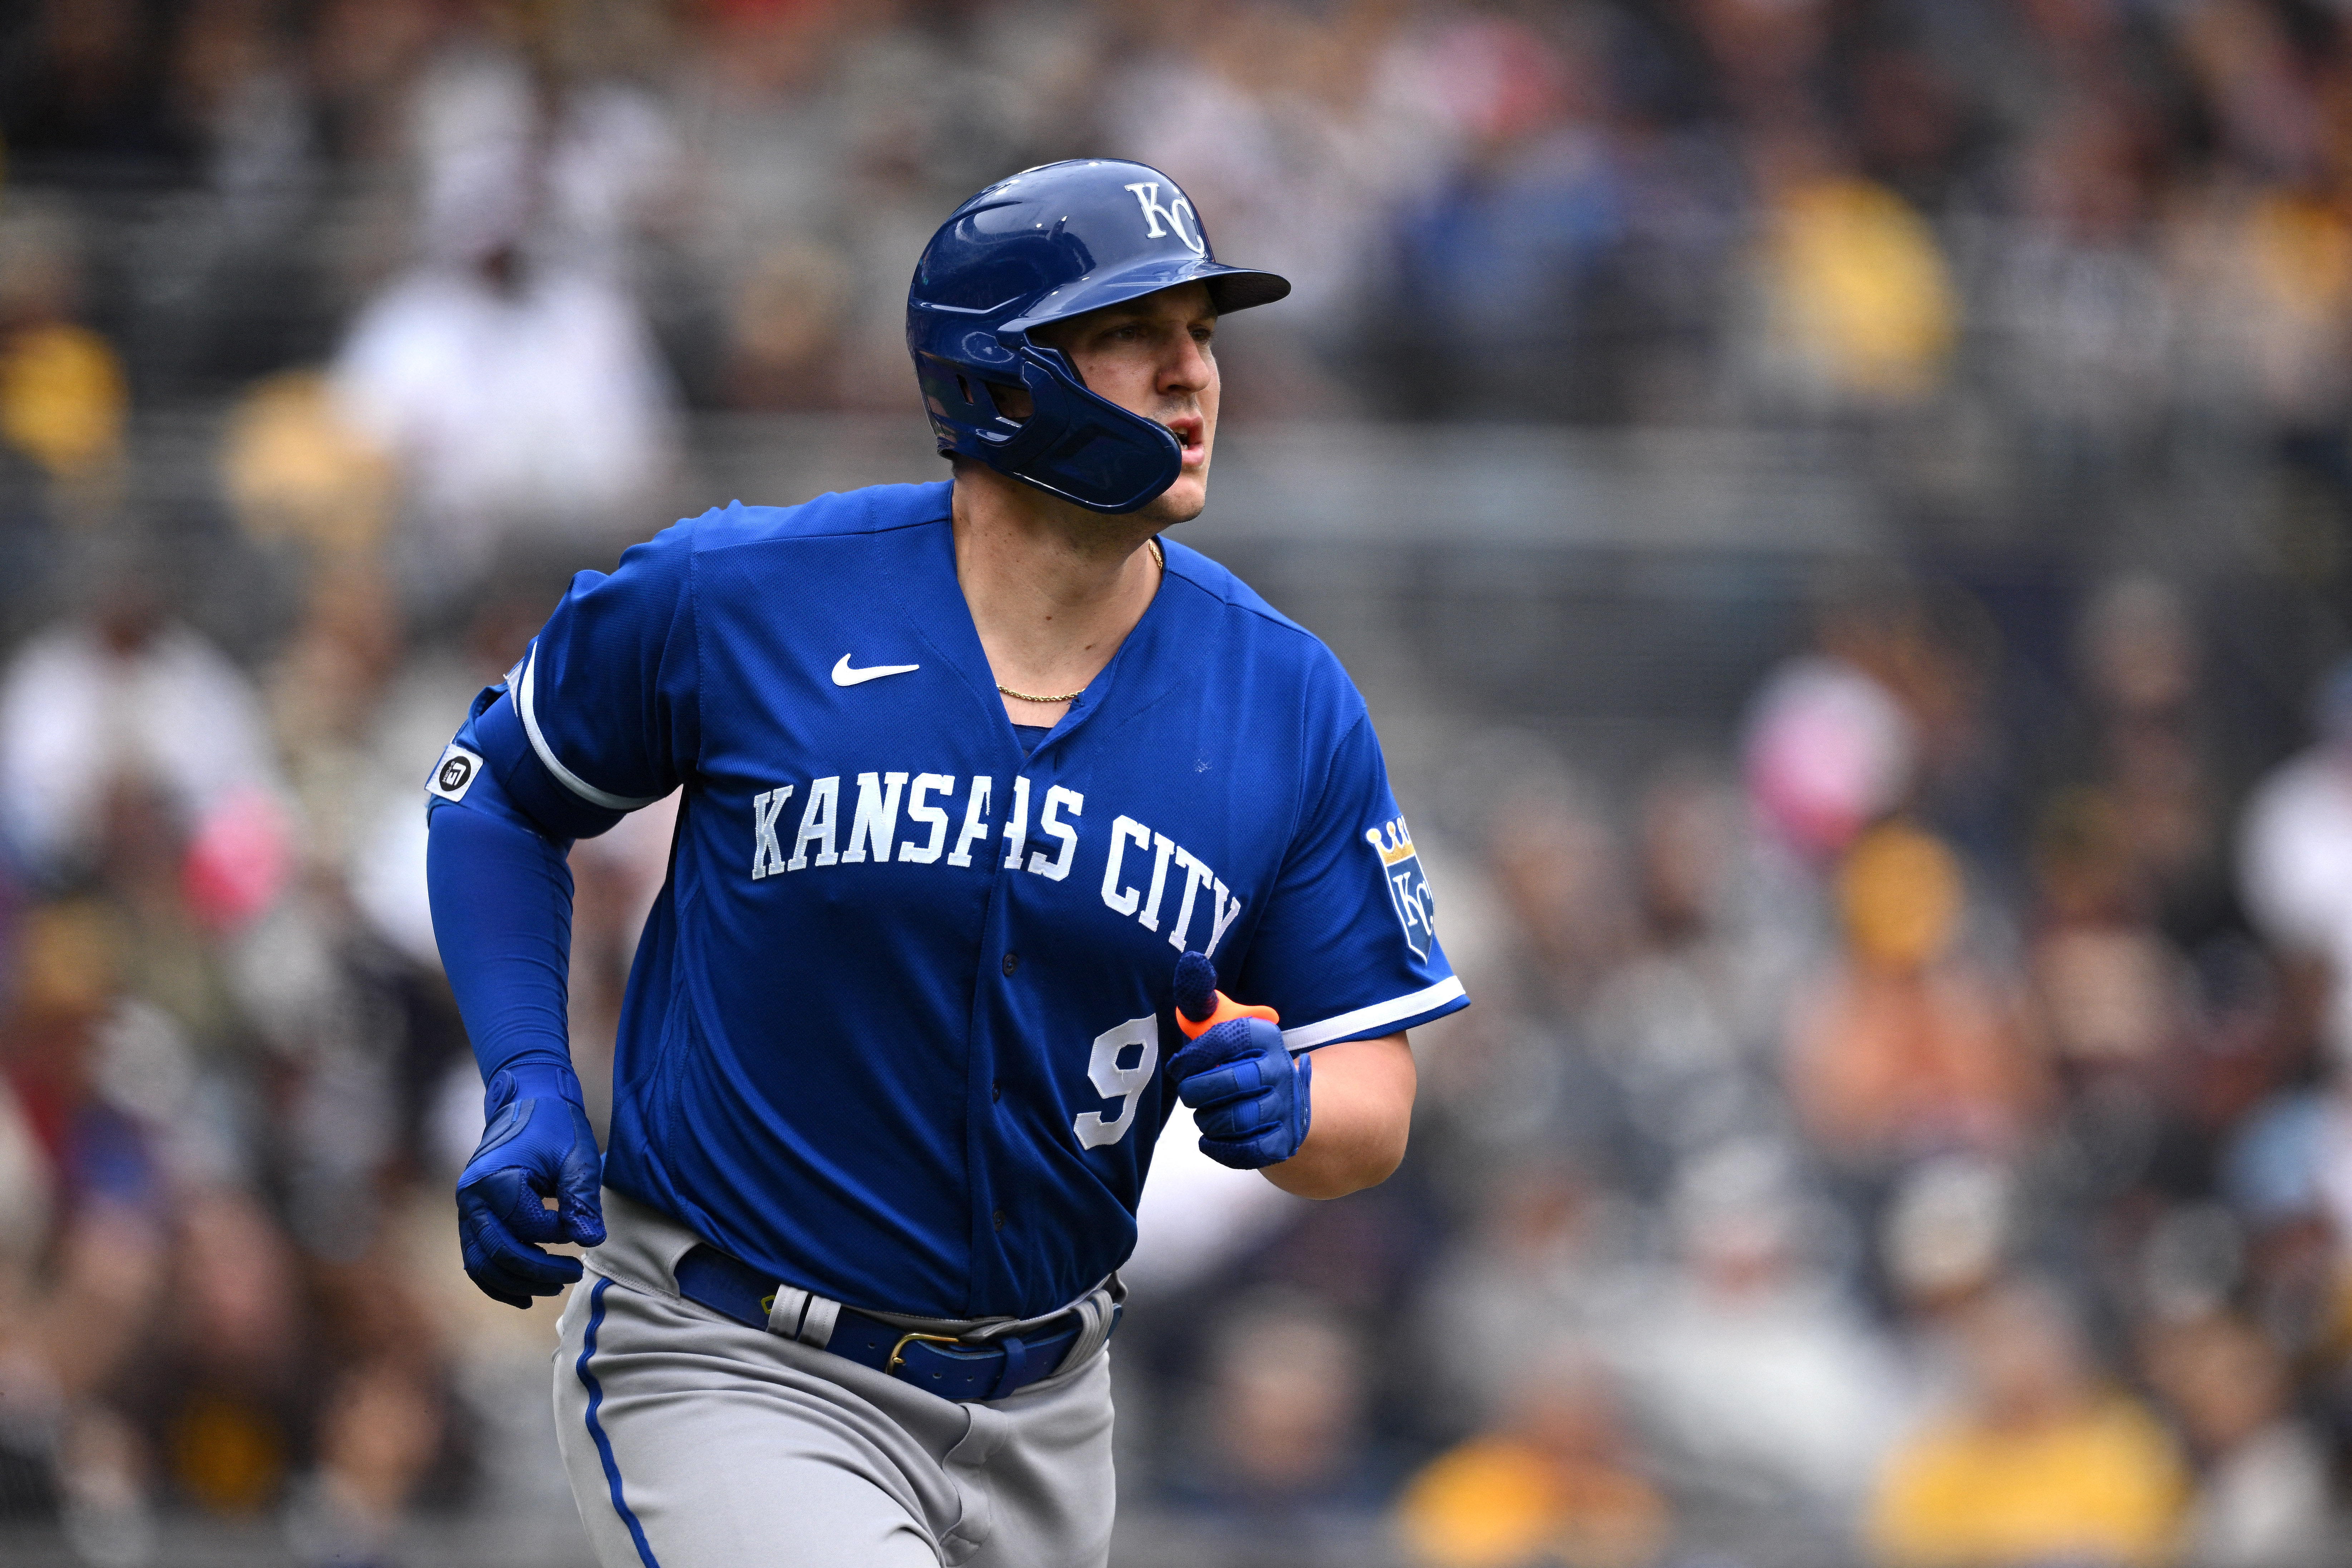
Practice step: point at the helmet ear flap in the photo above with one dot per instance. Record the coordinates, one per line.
(1082, 447)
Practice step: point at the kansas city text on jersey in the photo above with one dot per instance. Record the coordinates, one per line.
(1175, 872)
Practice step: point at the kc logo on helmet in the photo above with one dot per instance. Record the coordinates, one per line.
(1409, 893)
(1182, 222)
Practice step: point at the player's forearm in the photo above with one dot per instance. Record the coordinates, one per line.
(502, 917)
(1363, 1109)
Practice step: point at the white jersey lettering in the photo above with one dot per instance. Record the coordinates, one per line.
(1050, 824)
(876, 822)
(1161, 848)
(1195, 874)
(1016, 832)
(975, 822)
(817, 824)
(766, 857)
(917, 811)
(1122, 900)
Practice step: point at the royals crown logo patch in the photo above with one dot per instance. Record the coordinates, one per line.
(1409, 893)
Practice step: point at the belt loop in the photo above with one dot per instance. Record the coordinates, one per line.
(1009, 1377)
(1097, 1314)
(802, 1315)
(788, 1307)
(816, 1328)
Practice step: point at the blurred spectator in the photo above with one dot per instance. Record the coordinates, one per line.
(92, 83)
(2295, 854)
(2109, 995)
(2108, 983)
(85, 1275)
(2264, 1498)
(1523, 1081)
(1683, 1026)
(1548, 1253)
(380, 1434)
(2036, 1463)
(296, 471)
(1556, 868)
(63, 391)
(1768, 1388)
(513, 402)
(1829, 750)
(1556, 1481)
(122, 718)
(1498, 254)
(785, 329)
(508, 374)
(2142, 658)
(1945, 1237)
(225, 1389)
(2083, 316)
(2285, 1174)
(1906, 1047)
(1860, 309)
(1277, 1440)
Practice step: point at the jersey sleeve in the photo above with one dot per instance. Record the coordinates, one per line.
(1347, 948)
(600, 716)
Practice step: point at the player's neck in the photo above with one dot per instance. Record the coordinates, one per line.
(1053, 589)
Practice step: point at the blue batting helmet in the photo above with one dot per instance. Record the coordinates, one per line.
(1047, 244)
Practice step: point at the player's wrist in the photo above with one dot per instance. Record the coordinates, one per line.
(533, 1078)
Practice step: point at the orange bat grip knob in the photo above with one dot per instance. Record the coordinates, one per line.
(1227, 1008)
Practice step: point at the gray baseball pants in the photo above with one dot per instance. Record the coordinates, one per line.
(693, 1441)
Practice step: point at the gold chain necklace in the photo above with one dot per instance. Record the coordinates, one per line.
(1159, 559)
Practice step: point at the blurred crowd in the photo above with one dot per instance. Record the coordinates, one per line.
(1916, 1130)
(500, 245)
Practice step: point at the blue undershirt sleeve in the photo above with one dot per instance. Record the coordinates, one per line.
(594, 720)
(502, 895)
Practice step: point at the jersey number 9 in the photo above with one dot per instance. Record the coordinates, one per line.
(1125, 1084)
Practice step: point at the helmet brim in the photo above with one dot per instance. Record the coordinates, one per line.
(1231, 289)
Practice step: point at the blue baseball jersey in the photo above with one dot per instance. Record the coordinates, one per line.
(896, 1029)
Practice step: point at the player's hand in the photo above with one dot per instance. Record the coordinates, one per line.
(1247, 1093)
(537, 1145)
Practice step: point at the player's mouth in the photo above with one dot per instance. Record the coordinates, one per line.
(1193, 431)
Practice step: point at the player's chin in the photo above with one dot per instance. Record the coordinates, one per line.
(1181, 501)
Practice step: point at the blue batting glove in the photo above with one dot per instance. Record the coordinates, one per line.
(538, 1144)
(1248, 1095)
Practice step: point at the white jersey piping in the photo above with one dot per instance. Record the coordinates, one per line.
(564, 775)
(1309, 1035)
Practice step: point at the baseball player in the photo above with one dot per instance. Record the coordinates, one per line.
(982, 786)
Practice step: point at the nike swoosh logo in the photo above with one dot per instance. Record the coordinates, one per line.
(844, 676)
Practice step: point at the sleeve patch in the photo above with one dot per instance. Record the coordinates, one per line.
(454, 774)
(1409, 894)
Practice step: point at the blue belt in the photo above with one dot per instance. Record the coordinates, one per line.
(949, 1367)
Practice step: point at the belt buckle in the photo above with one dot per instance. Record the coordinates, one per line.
(897, 1360)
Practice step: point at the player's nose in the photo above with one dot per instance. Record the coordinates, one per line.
(1187, 368)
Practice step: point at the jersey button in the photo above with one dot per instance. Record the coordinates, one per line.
(1012, 962)
(995, 1092)
(998, 1218)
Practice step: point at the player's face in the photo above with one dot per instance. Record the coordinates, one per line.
(1153, 356)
